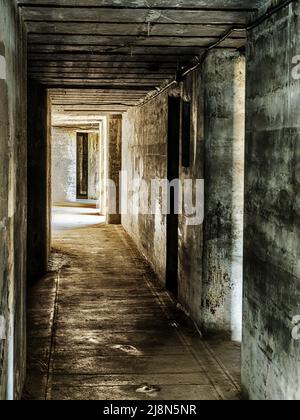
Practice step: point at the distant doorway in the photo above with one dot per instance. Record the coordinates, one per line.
(82, 166)
(173, 173)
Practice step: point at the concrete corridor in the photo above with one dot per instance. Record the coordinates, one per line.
(179, 120)
(100, 327)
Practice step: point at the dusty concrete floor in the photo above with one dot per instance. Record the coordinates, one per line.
(100, 327)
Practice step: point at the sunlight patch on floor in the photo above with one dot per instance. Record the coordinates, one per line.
(64, 218)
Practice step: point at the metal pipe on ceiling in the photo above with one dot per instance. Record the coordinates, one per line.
(200, 60)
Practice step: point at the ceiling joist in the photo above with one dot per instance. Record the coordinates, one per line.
(120, 51)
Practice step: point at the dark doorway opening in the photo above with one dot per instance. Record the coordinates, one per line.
(186, 134)
(82, 166)
(173, 174)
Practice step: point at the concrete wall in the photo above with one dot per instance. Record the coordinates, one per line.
(144, 156)
(103, 166)
(271, 358)
(64, 157)
(145, 136)
(12, 200)
(210, 282)
(224, 81)
(190, 253)
(265, 5)
(114, 152)
(63, 165)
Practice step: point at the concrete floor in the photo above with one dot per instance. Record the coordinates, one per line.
(100, 326)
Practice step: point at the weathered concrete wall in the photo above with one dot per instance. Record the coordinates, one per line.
(191, 236)
(114, 157)
(12, 200)
(144, 156)
(224, 81)
(145, 136)
(39, 182)
(63, 165)
(271, 358)
(103, 166)
(210, 285)
(265, 5)
(64, 158)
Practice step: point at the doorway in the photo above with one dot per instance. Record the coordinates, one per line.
(76, 176)
(82, 166)
(174, 107)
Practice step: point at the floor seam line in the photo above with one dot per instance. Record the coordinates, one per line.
(52, 341)
(163, 307)
(224, 369)
(182, 337)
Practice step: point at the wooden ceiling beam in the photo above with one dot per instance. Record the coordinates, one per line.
(138, 15)
(125, 29)
(244, 5)
(123, 48)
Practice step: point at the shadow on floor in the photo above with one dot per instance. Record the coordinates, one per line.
(100, 327)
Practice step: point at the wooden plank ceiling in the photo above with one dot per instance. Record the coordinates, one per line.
(120, 50)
